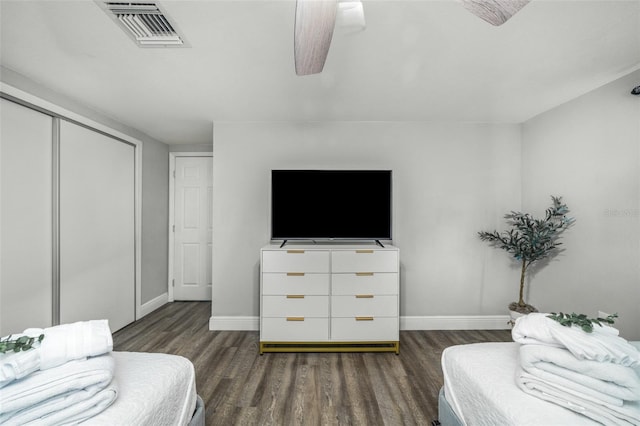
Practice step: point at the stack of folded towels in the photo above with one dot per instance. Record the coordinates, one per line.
(65, 379)
(596, 374)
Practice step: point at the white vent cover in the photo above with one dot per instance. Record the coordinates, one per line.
(145, 23)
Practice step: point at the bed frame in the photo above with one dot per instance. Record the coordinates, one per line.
(198, 415)
(446, 416)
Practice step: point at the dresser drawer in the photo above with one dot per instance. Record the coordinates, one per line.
(295, 283)
(295, 305)
(364, 305)
(365, 260)
(376, 329)
(295, 261)
(294, 330)
(366, 282)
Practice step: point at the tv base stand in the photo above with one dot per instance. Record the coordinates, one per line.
(314, 242)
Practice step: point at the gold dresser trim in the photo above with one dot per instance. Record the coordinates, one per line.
(378, 346)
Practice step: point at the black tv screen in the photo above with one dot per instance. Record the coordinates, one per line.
(331, 204)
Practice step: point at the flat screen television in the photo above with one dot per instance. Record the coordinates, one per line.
(331, 204)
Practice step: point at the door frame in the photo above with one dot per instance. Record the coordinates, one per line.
(172, 178)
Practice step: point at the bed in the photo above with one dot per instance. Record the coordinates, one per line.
(153, 389)
(480, 389)
(71, 375)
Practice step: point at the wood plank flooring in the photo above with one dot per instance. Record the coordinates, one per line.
(241, 387)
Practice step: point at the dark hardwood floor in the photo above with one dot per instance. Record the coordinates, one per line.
(241, 387)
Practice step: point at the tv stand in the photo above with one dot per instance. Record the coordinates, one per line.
(283, 243)
(379, 243)
(329, 298)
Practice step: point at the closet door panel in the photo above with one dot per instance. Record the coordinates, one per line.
(25, 224)
(97, 227)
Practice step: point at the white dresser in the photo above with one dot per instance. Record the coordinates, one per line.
(329, 297)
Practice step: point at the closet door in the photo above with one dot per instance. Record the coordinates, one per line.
(25, 218)
(97, 227)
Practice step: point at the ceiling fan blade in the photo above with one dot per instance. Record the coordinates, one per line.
(495, 12)
(315, 20)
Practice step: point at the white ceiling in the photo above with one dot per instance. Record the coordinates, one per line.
(418, 60)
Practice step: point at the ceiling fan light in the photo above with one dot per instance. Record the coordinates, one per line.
(351, 15)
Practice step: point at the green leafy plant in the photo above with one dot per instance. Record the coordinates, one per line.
(581, 320)
(529, 239)
(22, 343)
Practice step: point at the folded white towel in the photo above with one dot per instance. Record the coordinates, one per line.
(607, 414)
(603, 344)
(52, 396)
(593, 380)
(66, 342)
(16, 365)
(81, 411)
(61, 344)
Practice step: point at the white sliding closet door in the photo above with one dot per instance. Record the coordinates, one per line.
(97, 227)
(25, 218)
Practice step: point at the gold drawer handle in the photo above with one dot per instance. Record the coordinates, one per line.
(364, 318)
(364, 251)
(295, 318)
(364, 274)
(364, 296)
(295, 251)
(295, 274)
(295, 296)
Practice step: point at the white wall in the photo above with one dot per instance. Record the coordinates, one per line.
(450, 181)
(588, 150)
(155, 220)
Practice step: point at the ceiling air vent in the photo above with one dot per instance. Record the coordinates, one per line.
(145, 23)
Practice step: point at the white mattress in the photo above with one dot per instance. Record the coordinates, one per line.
(153, 389)
(479, 384)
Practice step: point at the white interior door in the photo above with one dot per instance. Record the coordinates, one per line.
(97, 227)
(25, 218)
(193, 216)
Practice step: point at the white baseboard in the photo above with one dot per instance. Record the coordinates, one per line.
(234, 323)
(445, 322)
(153, 304)
(455, 322)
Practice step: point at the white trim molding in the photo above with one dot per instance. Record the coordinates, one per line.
(234, 323)
(444, 322)
(172, 178)
(153, 304)
(455, 322)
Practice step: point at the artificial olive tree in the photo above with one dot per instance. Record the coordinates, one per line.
(529, 239)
